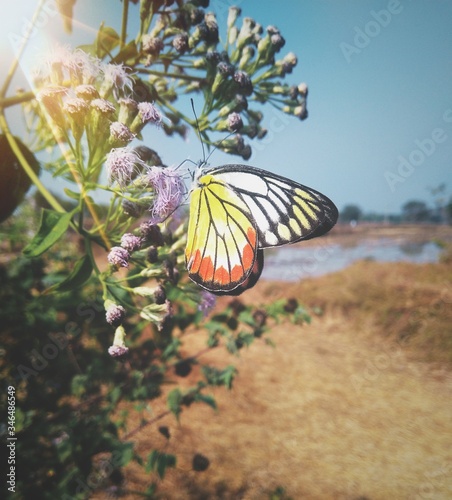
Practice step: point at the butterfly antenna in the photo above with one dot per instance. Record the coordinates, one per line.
(199, 131)
(205, 160)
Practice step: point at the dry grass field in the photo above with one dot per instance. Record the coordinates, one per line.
(356, 405)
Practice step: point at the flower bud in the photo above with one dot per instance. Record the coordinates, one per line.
(77, 109)
(115, 314)
(120, 134)
(245, 86)
(147, 113)
(233, 14)
(87, 92)
(247, 54)
(234, 122)
(50, 98)
(152, 45)
(131, 242)
(303, 89)
(180, 43)
(128, 109)
(232, 35)
(118, 349)
(246, 32)
(118, 257)
(132, 209)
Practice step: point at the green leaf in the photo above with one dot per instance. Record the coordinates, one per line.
(52, 227)
(79, 384)
(107, 40)
(159, 462)
(171, 349)
(174, 401)
(72, 194)
(79, 275)
(122, 454)
(301, 316)
(208, 400)
(214, 376)
(128, 52)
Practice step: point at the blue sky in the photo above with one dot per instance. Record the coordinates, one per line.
(379, 131)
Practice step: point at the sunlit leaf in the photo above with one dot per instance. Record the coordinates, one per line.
(52, 227)
(107, 40)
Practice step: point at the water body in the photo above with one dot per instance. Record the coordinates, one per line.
(291, 263)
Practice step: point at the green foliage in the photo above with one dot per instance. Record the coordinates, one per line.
(83, 345)
(52, 227)
(159, 462)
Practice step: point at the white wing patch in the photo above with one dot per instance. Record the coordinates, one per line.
(283, 211)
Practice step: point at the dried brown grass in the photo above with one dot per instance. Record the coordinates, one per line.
(355, 405)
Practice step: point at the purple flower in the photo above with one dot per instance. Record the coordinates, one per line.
(234, 122)
(180, 43)
(149, 113)
(152, 45)
(118, 348)
(208, 301)
(118, 257)
(277, 41)
(88, 67)
(115, 314)
(117, 351)
(121, 164)
(117, 79)
(131, 242)
(169, 189)
(244, 83)
(120, 133)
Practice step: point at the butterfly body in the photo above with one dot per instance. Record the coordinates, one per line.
(235, 212)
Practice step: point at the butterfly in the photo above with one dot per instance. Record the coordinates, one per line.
(235, 212)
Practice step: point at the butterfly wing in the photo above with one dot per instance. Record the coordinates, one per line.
(222, 240)
(283, 210)
(254, 275)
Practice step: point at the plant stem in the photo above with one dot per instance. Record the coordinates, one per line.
(17, 99)
(15, 63)
(125, 14)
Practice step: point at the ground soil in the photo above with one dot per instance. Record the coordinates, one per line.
(355, 405)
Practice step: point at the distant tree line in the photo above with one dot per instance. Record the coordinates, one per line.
(413, 211)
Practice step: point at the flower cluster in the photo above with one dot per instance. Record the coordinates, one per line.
(184, 41)
(96, 109)
(81, 94)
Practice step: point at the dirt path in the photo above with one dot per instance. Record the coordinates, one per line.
(338, 410)
(327, 414)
